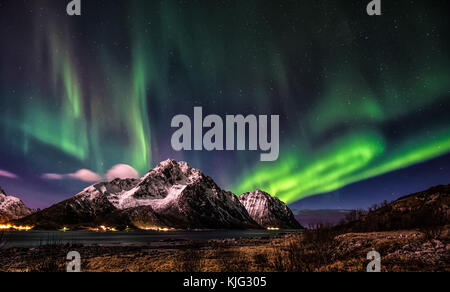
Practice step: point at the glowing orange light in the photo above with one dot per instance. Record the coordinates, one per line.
(103, 228)
(163, 229)
(273, 228)
(14, 227)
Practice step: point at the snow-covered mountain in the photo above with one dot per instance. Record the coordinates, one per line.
(170, 195)
(11, 208)
(175, 195)
(269, 211)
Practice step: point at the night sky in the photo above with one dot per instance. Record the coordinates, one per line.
(364, 102)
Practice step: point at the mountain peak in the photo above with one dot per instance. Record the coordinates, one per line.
(269, 211)
(262, 193)
(173, 165)
(12, 208)
(167, 163)
(173, 172)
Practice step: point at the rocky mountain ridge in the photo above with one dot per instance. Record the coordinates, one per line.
(11, 208)
(268, 211)
(172, 195)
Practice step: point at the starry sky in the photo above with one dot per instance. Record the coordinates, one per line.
(364, 102)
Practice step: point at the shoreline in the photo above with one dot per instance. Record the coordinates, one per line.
(401, 251)
(137, 238)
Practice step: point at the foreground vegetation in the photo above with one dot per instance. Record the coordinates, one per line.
(319, 250)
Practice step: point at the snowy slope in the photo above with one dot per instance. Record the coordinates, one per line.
(11, 208)
(269, 211)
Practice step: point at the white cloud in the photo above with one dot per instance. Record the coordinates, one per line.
(84, 175)
(121, 171)
(52, 176)
(8, 174)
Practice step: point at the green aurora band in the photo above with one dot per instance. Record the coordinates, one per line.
(350, 159)
(233, 56)
(77, 122)
(364, 153)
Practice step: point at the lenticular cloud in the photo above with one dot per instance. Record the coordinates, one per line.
(84, 175)
(121, 171)
(7, 174)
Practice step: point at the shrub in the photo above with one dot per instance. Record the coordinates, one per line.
(190, 260)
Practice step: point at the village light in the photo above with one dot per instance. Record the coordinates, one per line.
(14, 227)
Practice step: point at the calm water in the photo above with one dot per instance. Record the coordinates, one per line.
(135, 238)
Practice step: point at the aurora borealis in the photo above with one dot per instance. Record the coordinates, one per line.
(360, 98)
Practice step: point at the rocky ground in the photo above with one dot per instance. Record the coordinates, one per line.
(401, 251)
(321, 250)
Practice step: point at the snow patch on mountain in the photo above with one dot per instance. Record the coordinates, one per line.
(12, 208)
(269, 211)
(159, 186)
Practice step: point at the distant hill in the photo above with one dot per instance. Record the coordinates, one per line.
(420, 210)
(311, 218)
